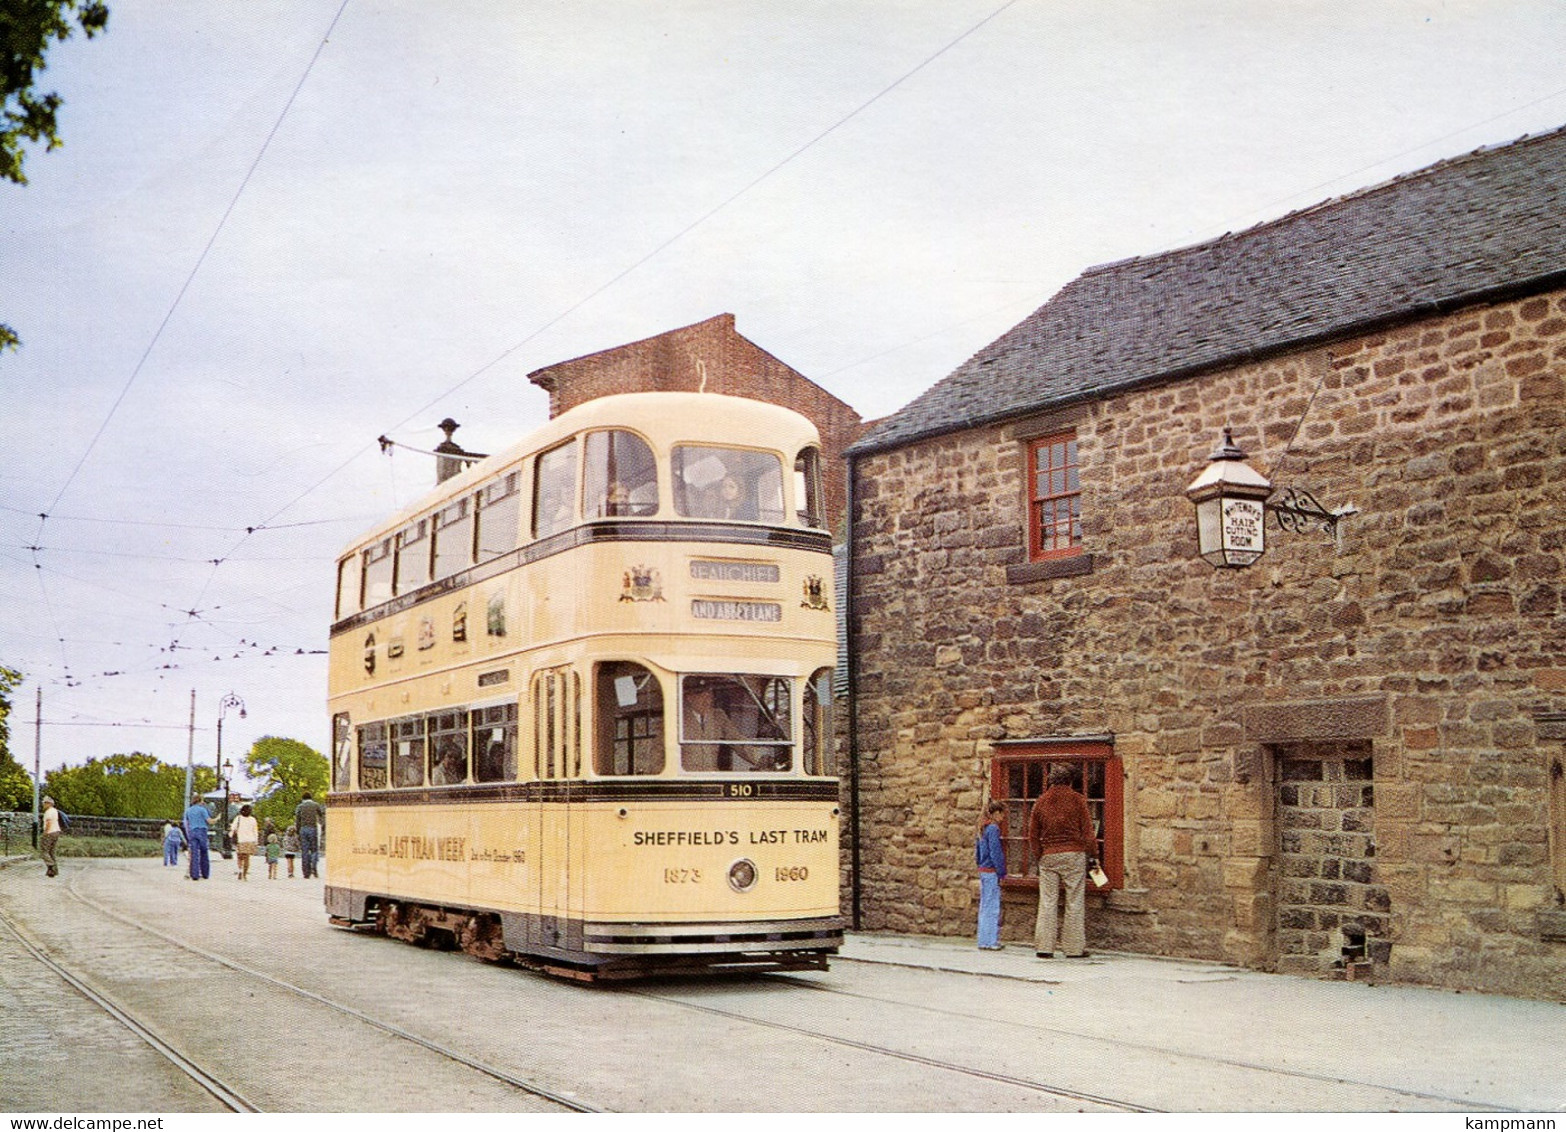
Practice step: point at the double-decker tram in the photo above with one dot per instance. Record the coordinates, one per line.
(581, 699)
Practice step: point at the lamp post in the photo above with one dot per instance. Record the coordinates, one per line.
(225, 770)
(1232, 504)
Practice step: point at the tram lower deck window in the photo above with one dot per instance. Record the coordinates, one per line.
(630, 720)
(736, 723)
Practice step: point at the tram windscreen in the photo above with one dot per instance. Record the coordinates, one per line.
(727, 483)
(736, 723)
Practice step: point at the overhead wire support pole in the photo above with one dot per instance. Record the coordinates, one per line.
(37, 759)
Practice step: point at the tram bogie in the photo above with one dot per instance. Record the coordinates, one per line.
(585, 725)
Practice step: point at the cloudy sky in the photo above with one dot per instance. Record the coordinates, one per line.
(278, 230)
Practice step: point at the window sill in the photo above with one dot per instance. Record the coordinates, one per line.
(1068, 567)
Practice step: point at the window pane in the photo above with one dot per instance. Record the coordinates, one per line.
(408, 752)
(378, 573)
(413, 556)
(808, 497)
(348, 581)
(448, 748)
(554, 489)
(372, 756)
(495, 743)
(816, 727)
(342, 752)
(727, 483)
(498, 504)
(630, 720)
(620, 476)
(453, 538)
(736, 723)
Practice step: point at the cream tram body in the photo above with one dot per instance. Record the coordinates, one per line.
(581, 693)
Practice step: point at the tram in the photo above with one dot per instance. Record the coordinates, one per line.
(581, 700)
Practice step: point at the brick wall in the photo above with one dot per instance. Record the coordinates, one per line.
(709, 355)
(1431, 634)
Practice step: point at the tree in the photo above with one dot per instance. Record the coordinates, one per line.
(136, 785)
(285, 768)
(16, 785)
(27, 27)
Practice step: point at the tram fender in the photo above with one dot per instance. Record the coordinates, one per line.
(345, 903)
(528, 933)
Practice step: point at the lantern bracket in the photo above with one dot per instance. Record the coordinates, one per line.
(1298, 510)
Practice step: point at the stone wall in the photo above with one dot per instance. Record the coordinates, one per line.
(1430, 633)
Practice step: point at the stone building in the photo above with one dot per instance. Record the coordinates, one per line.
(1345, 758)
(714, 357)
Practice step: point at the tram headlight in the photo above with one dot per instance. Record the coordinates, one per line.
(742, 875)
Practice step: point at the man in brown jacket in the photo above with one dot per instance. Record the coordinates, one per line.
(1060, 833)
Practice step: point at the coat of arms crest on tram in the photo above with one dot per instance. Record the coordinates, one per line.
(642, 583)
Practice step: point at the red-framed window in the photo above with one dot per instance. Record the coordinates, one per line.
(1054, 497)
(1017, 777)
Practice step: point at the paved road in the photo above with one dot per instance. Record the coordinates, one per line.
(249, 981)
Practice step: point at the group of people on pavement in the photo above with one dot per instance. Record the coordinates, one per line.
(300, 840)
(1063, 842)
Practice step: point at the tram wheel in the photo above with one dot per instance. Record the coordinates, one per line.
(481, 937)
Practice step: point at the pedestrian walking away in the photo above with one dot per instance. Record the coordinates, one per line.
(291, 847)
(990, 854)
(197, 822)
(49, 837)
(173, 842)
(309, 816)
(1060, 834)
(247, 836)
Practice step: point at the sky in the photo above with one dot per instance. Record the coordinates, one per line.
(277, 231)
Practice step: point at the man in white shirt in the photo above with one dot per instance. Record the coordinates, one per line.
(51, 835)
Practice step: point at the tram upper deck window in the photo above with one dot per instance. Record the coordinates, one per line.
(807, 489)
(408, 752)
(495, 743)
(498, 502)
(453, 536)
(349, 579)
(619, 476)
(413, 556)
(630, 720)
(554, 488)
(448, 748)
(736, 723)
(727, 483)
(378, 573)
(372, 756)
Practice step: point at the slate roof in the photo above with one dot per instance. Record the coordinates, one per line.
(1485, 225)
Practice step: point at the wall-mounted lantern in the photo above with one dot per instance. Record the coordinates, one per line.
(1231, 500)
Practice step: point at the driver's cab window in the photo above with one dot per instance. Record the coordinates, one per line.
(727, 483)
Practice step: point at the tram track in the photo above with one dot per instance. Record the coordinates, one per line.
(1114, 1103)
(531, 1088)
(900, 1055)
(224, 1093)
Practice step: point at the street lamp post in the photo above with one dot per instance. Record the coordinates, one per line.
(225, 770)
